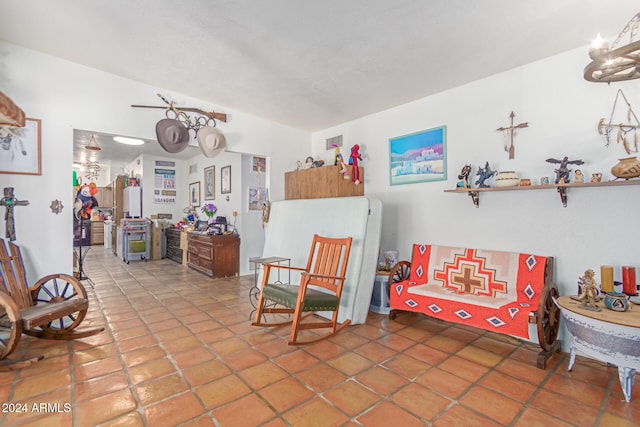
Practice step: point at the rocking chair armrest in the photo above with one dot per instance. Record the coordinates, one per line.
(322, 276)
(285, 267)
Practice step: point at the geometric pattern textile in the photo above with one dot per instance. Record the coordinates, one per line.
(481, 288)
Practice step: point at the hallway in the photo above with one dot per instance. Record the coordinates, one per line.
(179, 350)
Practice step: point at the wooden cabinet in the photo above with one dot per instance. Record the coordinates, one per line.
(216, 256)
(97, 233)
(174, 252)
(104, 197)
(317, 183)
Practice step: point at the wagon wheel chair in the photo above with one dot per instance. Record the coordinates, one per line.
(547, 316)
(50, 309)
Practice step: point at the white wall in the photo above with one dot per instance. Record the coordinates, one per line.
(599, 225)
(65, 96)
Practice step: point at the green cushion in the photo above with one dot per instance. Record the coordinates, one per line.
(287, 295)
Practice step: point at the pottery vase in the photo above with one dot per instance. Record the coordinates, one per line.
(628, 167)
(507, 179)
(616, 301)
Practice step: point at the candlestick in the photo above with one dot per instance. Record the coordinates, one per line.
(629, 280)
(606, 276)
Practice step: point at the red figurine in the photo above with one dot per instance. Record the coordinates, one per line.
(353, 160)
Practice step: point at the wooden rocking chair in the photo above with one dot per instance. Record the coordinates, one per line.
(320, 289)
(50, 309)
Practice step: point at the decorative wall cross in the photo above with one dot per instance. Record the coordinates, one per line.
(511, 131)
(9, 201)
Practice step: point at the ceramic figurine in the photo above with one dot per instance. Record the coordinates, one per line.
(562, 173)
(484, 173)
(308, 162)
(464, 176)
(578, 176)
(596, 177)
(588, 291)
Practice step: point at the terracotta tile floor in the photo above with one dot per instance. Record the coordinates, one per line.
(179, 351)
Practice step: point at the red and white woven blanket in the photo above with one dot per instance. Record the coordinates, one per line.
(491, 290)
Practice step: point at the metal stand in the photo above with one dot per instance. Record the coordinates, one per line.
(81, 256)
(254, 292)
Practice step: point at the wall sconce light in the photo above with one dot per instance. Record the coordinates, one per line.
(616, 63)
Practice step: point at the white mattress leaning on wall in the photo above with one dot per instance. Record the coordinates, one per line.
(293, 223)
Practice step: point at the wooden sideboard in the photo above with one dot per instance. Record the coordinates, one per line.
(216, 256)
(317, 183)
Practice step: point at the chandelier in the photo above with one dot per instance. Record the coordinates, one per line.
(617, 62)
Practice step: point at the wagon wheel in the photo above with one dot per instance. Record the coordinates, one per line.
(10, 325)
(55, 288)
(548, 319)
(400, 272)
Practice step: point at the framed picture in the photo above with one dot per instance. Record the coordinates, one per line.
(259, 164)
(418, 157)
(194, 194)
(257, 197)
(210, 183)
(225, 180)
(21, 151)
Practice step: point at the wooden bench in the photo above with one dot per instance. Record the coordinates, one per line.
(497, 291)
(50, 309)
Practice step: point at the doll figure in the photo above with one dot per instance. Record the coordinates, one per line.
(353, 160)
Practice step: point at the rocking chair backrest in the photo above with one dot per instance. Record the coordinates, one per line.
(329, 257)
(13, 275)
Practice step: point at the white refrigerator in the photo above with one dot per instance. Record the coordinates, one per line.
(132, 202)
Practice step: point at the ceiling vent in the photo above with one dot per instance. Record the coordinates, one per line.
(336, 140)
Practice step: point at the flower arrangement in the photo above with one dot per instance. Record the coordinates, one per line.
(209, 209)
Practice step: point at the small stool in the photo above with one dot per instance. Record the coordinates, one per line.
(380, 296)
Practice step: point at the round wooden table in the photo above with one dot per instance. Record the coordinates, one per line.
(609, 336)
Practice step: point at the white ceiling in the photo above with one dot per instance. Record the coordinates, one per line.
(308, 64)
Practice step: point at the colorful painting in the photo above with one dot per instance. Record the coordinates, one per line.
(418, 157)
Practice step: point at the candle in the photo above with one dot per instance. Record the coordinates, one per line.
(606, 275)
(629, 280)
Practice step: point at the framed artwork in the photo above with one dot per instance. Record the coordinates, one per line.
(194, 194)
(418, 157)
(210, 183)
(259, 164)
(257, 196)
(225, 180)
(21, 150)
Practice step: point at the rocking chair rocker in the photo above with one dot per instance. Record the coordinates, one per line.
(50, 309)
(320, 289)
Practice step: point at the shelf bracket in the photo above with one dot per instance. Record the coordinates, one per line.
(563, 195)
(475, 197)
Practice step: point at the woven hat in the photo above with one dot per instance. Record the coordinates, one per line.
(172, 135)
(211, 140)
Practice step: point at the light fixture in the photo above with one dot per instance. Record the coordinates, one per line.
(93, 144)
(128, 141)
(616, 63)
(93, 170)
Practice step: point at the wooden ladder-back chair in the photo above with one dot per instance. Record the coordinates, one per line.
(320, 289)
(50, 309)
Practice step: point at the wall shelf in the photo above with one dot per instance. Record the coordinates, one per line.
(474, 193)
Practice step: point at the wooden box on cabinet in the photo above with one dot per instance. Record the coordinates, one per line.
(173, 244)
(317, 183)
(215, 256)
